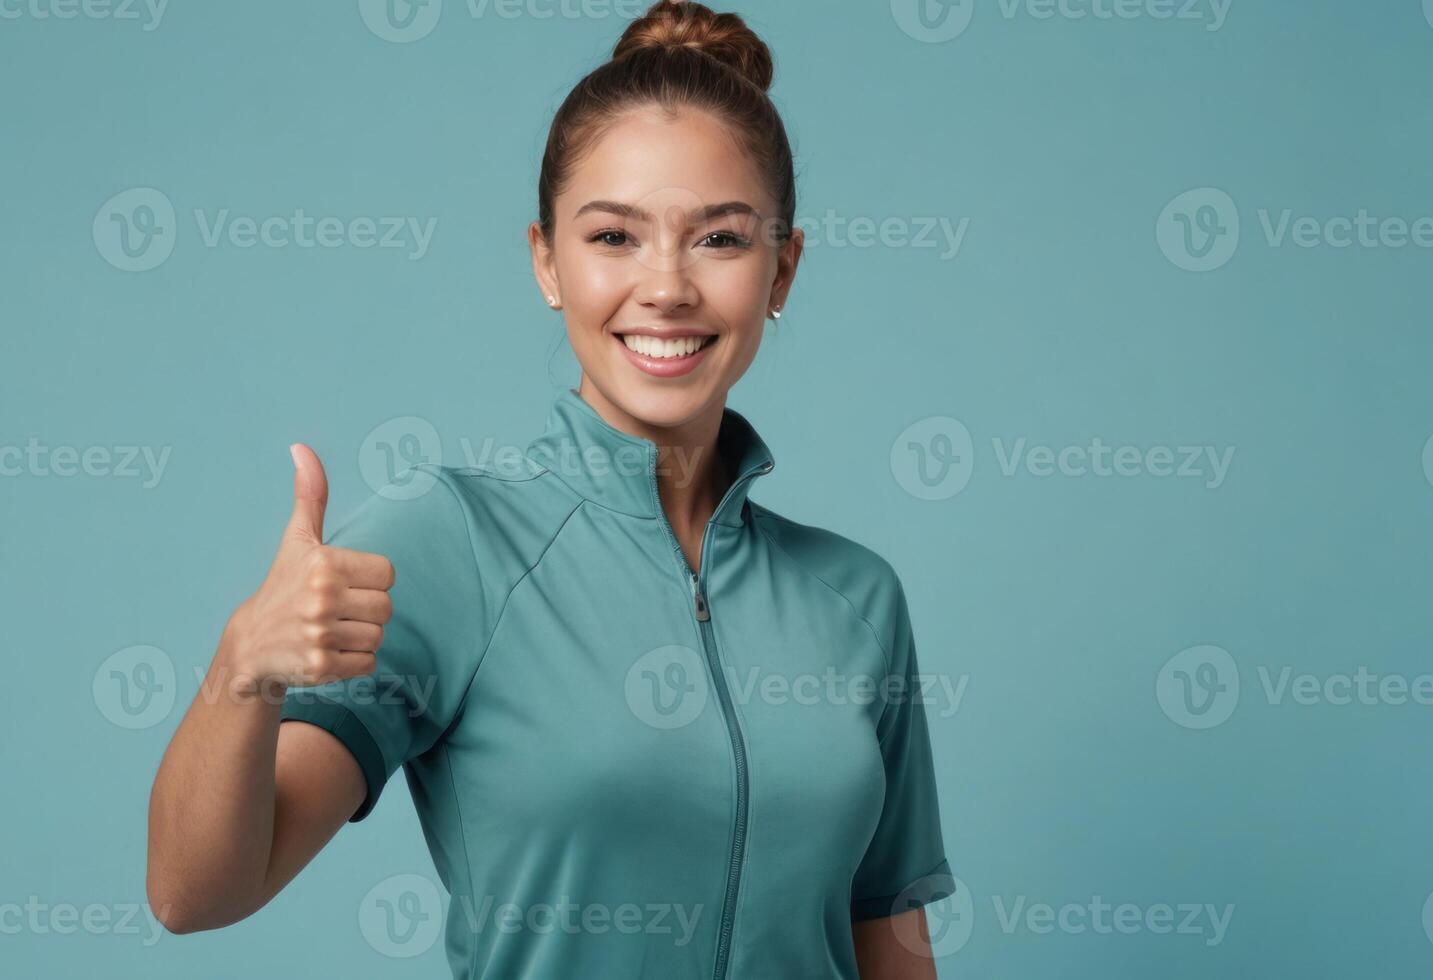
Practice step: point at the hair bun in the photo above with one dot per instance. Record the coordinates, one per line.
(668, 25)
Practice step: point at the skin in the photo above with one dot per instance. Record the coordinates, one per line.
(241, 803)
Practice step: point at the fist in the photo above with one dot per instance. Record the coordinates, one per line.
(319, 614)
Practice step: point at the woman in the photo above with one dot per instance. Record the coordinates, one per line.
(591, 664)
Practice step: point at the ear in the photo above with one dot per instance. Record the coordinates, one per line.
(787, 260)
(544, 264)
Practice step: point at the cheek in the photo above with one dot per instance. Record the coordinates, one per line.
(591, 290)
(738, 290)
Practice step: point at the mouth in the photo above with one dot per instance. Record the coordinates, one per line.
(666, 357)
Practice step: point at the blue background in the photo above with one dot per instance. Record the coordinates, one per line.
(1061, 319)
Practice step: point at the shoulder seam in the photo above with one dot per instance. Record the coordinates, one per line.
(885, 654)
(502, 609)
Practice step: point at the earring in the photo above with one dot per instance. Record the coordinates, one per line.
(776, 313)
(552, 301)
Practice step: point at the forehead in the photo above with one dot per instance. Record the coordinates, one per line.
(647, 154)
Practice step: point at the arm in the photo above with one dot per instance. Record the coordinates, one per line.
(241, 803)
(894, 948)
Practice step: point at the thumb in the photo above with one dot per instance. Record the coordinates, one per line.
(310, 495)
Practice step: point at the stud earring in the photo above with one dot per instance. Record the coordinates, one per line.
(552, 301)
(776, 313)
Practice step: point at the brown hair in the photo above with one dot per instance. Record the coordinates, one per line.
(675, 55)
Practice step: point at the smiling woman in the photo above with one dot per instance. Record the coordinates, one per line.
(560, 646)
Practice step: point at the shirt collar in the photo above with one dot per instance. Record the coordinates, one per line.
(618, 470)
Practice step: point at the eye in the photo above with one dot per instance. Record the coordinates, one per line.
(607, 234)
(726, 240)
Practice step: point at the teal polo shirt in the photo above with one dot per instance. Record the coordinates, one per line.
(624, 767)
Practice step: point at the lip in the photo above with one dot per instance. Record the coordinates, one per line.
(666, 367)
(668, 332)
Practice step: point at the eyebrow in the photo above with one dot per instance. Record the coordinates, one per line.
(695, 216)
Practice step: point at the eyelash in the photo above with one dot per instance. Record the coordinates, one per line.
(737, 240)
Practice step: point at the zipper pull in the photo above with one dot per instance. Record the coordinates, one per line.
(703, 614)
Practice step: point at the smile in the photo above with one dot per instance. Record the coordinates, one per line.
(662, 357)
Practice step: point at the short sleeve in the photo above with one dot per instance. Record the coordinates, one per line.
(905, 865)
(431, 642)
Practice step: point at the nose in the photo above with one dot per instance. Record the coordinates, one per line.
(666, 281)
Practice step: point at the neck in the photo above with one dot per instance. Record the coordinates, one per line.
(691, 477)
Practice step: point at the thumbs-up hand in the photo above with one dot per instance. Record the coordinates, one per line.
(319, 614)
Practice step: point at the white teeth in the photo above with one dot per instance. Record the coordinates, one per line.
(655, 347)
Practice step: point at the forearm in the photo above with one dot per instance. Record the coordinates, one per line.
(211, 811)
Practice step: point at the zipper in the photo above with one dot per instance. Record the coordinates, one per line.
(738, 743)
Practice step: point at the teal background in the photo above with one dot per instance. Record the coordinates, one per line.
(1061, 320)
